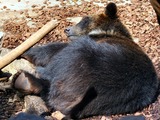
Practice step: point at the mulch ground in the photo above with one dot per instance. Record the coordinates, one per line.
(9, 104)
(139, 17)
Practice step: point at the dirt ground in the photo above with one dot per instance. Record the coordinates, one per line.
(137, 15)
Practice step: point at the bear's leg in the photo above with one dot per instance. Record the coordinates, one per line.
(41, 55)
(69, 103)
(27, 83)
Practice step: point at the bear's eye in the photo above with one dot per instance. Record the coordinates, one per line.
(83, 24)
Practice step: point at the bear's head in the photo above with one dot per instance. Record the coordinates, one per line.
(99, 26)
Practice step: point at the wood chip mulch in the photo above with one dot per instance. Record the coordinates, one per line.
(139, 17)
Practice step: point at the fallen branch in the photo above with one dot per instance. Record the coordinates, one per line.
(32, 40)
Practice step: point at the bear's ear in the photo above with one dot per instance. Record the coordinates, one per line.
(111, 10)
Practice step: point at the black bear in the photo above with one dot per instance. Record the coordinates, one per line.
(100, 72)
(156, 6)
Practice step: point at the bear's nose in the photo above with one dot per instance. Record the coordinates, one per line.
(67, 30)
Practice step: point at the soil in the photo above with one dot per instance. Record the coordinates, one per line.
(10, 104)
(137, 15)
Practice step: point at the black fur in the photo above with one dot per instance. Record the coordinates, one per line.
(122, 76)
(158, 18)
(111, 11)
(111, 75)
(46, 52)
(156, 6)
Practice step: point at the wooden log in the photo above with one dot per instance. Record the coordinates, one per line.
(32, 40)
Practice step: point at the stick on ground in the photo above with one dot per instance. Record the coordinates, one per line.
(32, 40)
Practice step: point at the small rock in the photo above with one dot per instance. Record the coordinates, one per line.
(58, 115)
(34, 104)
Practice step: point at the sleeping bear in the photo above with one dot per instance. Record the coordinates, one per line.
(100, 72)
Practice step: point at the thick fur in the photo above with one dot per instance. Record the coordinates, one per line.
(99, 73)
(28, 83)
(46, 52)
